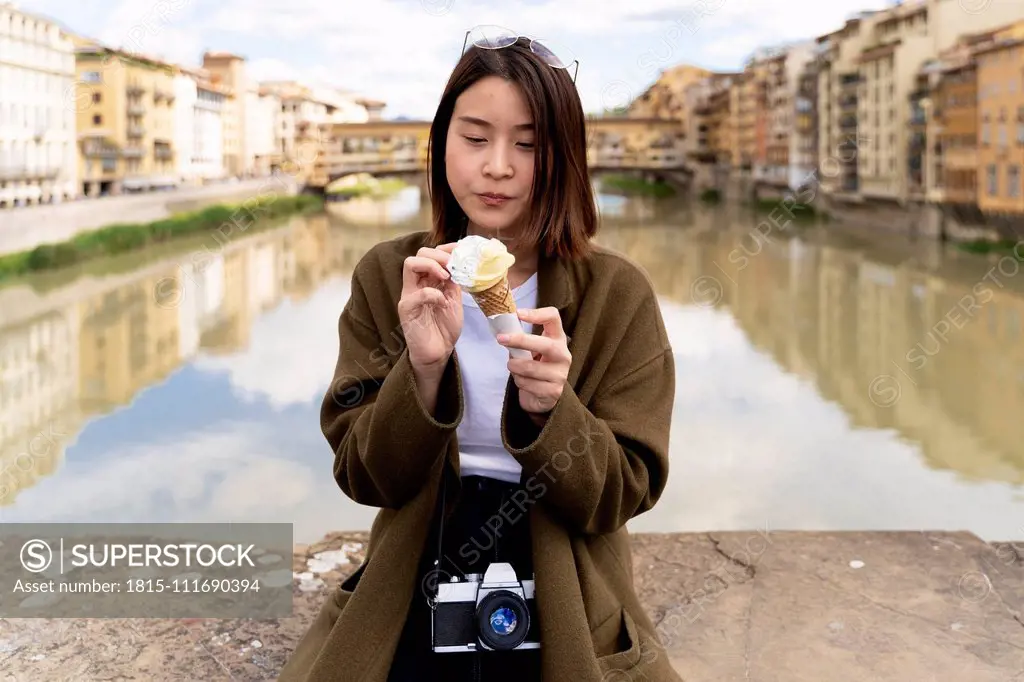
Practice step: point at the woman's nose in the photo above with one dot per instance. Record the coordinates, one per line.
(498, 164)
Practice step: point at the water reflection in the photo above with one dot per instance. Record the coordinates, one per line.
(403, 206)
(803, 401)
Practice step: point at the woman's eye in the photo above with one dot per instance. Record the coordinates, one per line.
(474, 140)
(526, 145)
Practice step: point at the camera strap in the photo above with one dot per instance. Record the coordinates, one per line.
(432, 599)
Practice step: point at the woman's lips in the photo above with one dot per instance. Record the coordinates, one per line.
(493, 199)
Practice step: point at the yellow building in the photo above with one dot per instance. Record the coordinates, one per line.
(733, 123)
(743, 114)
(1001, 121)
(125, 118)
(228, 70)
(708, 132)
(838, 93)
(898, 43)
(126, 343)
(666, 98)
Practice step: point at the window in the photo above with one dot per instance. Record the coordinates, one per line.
(1020, 133)
(91, 77)
(984, 133)
(993, 181)
(1002, 136)
(97, 120)
(1013, 181)
(96, 97)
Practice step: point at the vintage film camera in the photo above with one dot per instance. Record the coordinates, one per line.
(489, 612)
(494, 611)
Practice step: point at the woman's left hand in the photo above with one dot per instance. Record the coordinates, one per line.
(540, 379)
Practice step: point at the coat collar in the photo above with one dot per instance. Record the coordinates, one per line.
(554, 287)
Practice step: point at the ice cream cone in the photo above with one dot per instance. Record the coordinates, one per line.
(496, 299)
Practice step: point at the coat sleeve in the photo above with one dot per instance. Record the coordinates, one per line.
(599, 465)
(384, 440)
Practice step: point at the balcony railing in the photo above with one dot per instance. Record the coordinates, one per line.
(132, 152)
(135, 89)
(163, 153)
(136, 109)
(136, 131)
(960, 158)
(344, 165)
(97, 149)
(12, 173)
(160, 93)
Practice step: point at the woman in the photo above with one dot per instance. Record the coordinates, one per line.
(536, 462)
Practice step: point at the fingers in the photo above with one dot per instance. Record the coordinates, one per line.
(532, 369)
(540, 389)
(424, 296)
(553, 350)
(447, 248)
(440, 254)
(547, 317)
(416, 268)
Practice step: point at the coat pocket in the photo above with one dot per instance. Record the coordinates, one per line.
(625, 652)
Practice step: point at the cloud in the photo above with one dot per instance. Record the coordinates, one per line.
(753, 445)
(279, 368)
(231, 472)
(402, 51)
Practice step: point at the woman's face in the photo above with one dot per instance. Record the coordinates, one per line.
(489, 156)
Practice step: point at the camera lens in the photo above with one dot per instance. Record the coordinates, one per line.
(503, 620)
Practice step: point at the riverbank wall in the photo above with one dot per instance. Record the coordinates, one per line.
(761, 605)
(919, 219)
(25, 228)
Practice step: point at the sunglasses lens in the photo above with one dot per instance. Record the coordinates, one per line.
(492, 37)
(554, 54)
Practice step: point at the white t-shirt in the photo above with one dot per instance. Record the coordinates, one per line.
(483, 365)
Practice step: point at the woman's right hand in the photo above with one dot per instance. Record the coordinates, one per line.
(430, 309)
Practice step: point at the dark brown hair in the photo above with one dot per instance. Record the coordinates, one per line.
(562, 216)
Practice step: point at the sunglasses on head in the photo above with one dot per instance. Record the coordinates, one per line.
(497, 37)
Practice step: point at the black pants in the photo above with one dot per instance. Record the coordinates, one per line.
(486, 525)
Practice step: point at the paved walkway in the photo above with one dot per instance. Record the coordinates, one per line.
(25, 228)
(752, 607)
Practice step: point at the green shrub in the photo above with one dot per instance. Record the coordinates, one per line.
(629, 185)
(126, 237)
(985, 246)
(711, 196)
(47, 256)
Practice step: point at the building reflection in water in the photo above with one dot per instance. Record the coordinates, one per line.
(816, 389)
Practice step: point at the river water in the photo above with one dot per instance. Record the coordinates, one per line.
(825, 381)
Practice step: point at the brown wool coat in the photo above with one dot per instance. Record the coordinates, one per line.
(601, 459)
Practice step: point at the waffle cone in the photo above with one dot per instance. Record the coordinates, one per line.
(496, 300)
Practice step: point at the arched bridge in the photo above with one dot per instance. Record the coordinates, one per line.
(647, 145)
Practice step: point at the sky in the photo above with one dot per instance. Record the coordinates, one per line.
(402, 51)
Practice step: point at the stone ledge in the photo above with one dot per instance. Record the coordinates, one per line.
(765, 606)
